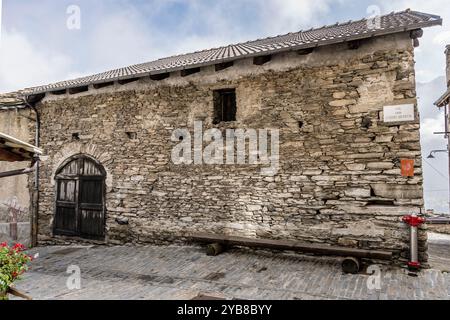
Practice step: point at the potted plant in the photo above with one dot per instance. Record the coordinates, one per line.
(13, 263)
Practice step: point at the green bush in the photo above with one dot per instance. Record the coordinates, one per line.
(13, 263)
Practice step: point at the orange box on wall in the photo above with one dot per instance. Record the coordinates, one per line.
(407, 167)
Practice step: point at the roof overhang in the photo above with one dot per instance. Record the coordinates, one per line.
(406, 21)
(11, 101)
(14, 150)
(444, 100)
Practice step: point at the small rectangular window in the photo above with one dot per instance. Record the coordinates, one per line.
(224, 106)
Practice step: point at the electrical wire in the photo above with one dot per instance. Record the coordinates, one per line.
(437, 171)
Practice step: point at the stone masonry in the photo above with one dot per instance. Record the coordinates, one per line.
(339, 180)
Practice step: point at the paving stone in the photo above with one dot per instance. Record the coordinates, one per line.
(180, 272)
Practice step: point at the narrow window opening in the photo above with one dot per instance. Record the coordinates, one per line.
(380, 203)
(354, 45)
(225, 106)
(223, 66)
(59, 92)
(301, 124)
(103, 85)
(75, 136)
(132, 135)
(306, 51)
(78, 90)
(125, 81)
(366, 122)
(188, 72)
(160, 76)
(259, 61)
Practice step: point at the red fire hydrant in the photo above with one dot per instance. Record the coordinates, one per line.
(414, 222)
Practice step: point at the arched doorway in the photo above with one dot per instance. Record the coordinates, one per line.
(80, 199)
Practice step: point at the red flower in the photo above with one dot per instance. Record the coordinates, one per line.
(19, 247)
(3, 245)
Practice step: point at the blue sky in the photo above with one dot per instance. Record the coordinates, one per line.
(36, 47)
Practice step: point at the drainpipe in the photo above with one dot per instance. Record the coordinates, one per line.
(35, 194)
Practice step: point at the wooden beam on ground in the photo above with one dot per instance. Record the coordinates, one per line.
(292, 246)
(19, 294)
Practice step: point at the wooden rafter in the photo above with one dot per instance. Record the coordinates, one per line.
(12, 149)
(9, 156)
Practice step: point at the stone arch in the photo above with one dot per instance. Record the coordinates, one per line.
(75, 148)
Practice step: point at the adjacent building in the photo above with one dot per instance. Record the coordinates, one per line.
(444, 102)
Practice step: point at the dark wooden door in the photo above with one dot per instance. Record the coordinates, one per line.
(91, 215)
(66, 207)
(80, 208)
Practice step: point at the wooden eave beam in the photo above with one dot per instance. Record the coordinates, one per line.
(6, 155)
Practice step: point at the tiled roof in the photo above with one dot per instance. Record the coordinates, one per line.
(352, 30)
(11, 100)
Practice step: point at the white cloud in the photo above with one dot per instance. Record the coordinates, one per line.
(431, 56)
(124, 35)
(1, 7)
(442, 38)
(292, 15)
(428, 128)
(23, 65)
(119, 40)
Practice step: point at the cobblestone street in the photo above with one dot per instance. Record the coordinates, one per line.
(176, 272)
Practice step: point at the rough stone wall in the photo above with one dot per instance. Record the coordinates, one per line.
(338, 183)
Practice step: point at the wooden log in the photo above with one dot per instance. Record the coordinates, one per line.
(214, 249)
(19, 294)
(351, 265)
(293, 246)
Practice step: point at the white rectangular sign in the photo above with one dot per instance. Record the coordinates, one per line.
(399, 113)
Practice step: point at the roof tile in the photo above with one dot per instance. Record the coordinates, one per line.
(352, 30)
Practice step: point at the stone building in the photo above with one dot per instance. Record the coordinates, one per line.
(444, 102)
(14, 191)
(108, 174)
